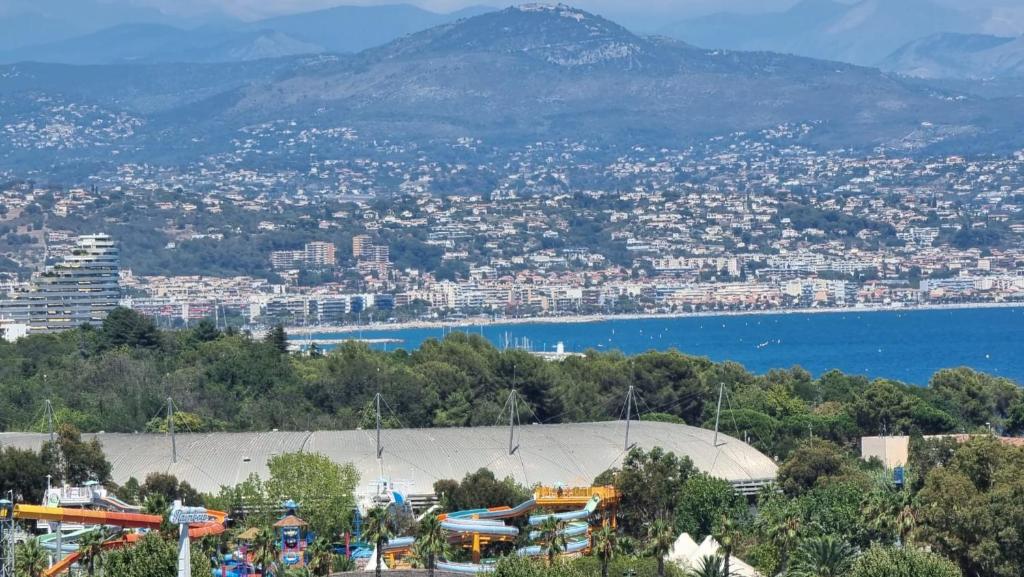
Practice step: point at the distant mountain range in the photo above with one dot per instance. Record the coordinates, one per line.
(863, 32)
(155, 38)
(510, 77)
(964, 56)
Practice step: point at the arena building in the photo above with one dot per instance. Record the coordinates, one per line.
(413, 459)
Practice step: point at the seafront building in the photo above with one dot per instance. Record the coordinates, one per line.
(82, 288)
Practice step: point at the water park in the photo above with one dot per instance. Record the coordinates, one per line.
(572, 513)
(72, 514)
(559, 516)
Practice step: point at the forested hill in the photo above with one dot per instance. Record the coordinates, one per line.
(117, 378)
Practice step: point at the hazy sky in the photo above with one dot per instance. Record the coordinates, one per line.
(1006, 16)
(250, 9)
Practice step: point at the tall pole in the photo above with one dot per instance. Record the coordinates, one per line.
(718, 413)
(170, 429)
(49, 419)
(380, 450)
(7, 535)
(629, 414)
(511, 421)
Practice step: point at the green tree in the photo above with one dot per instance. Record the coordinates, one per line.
(321, 557)
(480, 489)
(431, 542)
(971, 512)
(126, 328)
(814, 462)
(90, 549)
(205, 331)
(603, 543)
(660, 539)
(710, 566)
(552, 534)
(324, 489)
(265, 549)
(703, 501)
(650, 483)
(377, 529)
(30, 559)
(74, 461)
(278, 338)
(171, 489)
(975, 398)
(152, 556)
(902, 562)
(24, 472)
(726, 533)
(824, 556)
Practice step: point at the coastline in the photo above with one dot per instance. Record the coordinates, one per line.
(598, 318)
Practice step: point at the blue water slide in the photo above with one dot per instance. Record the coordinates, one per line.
(399, 543)
(483, 527)
(468, 568)
(538, 550)
(567, 516)
(573, 530)
(520, 509)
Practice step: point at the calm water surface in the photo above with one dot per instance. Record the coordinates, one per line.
(907, 345)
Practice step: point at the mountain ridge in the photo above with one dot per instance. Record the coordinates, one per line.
(499, 78)
(960, 56)
(341, 29)
(863, 32)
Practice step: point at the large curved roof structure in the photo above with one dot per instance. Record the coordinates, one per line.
(570, 454)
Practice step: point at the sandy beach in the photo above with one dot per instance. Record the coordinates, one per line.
(576, 319)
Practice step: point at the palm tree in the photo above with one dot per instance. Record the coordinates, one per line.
(321, 557)
(822, 557)
(90, 548)
(31, 559)
(603, 543)
(725, 534)
(553, 535)
(784, 536)
(377, 529)
(712, 566)
(431, 542)
(264, 548)
(661, 536)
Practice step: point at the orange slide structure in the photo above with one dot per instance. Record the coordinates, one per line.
(215, 526)
(124, 520)
(87, 517)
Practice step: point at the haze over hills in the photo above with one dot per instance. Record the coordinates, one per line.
(863, 32)
(963, 56)
(157, 38)
(511, 77)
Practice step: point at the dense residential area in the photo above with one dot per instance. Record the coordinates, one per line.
(744, 222)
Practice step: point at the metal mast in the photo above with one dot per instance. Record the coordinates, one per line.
(629, 414)
(380, 449)
(49, 419)
(718, 413)
(170, 429)
(7, 535)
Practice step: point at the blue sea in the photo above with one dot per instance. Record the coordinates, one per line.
(907, 345)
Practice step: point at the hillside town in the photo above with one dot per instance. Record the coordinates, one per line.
(747, 222)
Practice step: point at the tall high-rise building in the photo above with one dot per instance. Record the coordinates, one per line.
(360, 244)
(81, 289)
(319, 253)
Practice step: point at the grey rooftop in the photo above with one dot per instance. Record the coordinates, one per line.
(570, 454)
